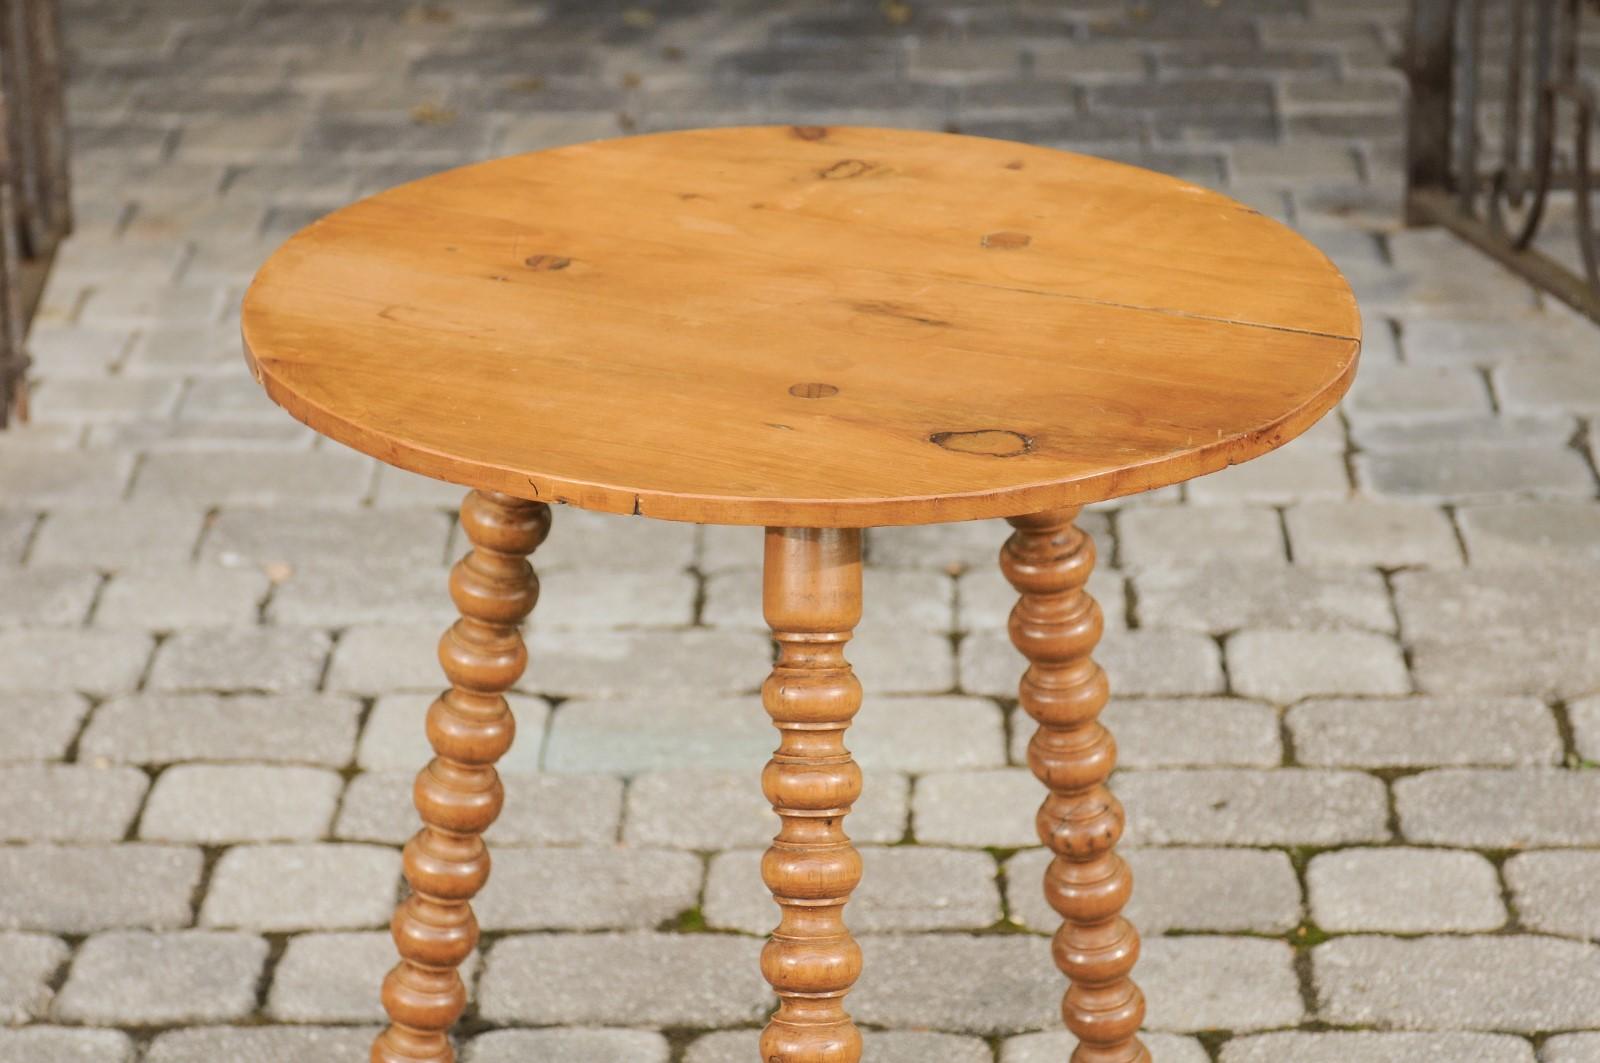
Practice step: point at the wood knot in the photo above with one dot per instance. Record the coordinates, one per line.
(1014, 164)
(809, 132)
(845, 169)
(1007, 241)
(547, 263)
(991, 442)
(813, 391)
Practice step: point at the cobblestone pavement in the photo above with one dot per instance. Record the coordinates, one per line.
(1356, 676)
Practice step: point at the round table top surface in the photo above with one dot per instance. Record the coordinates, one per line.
(800, 325)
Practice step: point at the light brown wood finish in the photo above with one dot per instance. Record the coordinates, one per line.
(804, 326)
(812, 598)
(1056, 625)
(459, 793)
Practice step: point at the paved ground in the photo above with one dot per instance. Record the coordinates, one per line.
(1357, 717)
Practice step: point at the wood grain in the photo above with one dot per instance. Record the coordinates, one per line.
(824, 327)
(1056, 625)
(459, 794)
(812, 599)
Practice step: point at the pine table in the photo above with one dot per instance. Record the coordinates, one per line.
(817, 330)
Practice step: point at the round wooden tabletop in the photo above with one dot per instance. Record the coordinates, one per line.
(803, 326)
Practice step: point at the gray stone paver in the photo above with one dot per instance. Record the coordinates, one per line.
(145, 978)
(1283, 666)
(1516, 983)
(539, 809)
(170, 728)
(1571, 1048)
(261, 1045)
(285, 887)
(588, 889)
(1190, 889)
(40, 725)
(334, 978)
(1049, 1047)
(269, 659)
(1421, 732)
(213, 803)
(1404, 891)
(1362, 1047)
(905, 1046)
(649, 978)
(395, 737)
(68, 802)
(1502, 809)
(28, 963)
(77, 889)
(1181, 732)
(573, 1046)
(1556, 892)
(190, 582)
(61, 1044)
(902, 888)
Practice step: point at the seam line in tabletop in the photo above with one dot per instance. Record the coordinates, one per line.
(756, 253)
(336, 252)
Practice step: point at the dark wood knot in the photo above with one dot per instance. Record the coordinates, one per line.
(1007, 241)
(845, 169)
(546, 263)
(809, 132)
(813, 391)
(990, 442)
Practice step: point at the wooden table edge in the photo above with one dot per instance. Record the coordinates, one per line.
(1014, 501)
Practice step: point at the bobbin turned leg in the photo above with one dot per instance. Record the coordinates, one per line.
(459, 793)
(1056, 625)
(812, 597)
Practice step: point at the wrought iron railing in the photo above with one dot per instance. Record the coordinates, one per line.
(35, 207)
(1500, 130)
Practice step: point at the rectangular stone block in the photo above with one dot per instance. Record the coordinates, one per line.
(282, 888)
(93, 662)
(683, 980)
(1499, 809)
(1423, 732)
(79, 889)
(397, 538)
(1242, 807)
(164, 728)
(68, 802)
(1375, 534)
(276, 660)
(256, 478)
(1404, 891)
(903, 888)
(262, 1044)
(1513, 983)
(28, 964)
(216, 804)
(716, 810)
(588, 889)
(1220, 597)
(172, 596)
(1217, 891)
(39, 726)
(539, 810)
(1157, 663)
(139, 978)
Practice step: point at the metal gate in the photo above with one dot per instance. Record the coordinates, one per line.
(35, 207)
(1501, 130)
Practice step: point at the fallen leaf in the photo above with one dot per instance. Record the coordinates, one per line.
(432, 114)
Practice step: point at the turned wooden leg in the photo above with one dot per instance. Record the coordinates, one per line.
(1056, 625)
(459, 793)
(812, 596)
